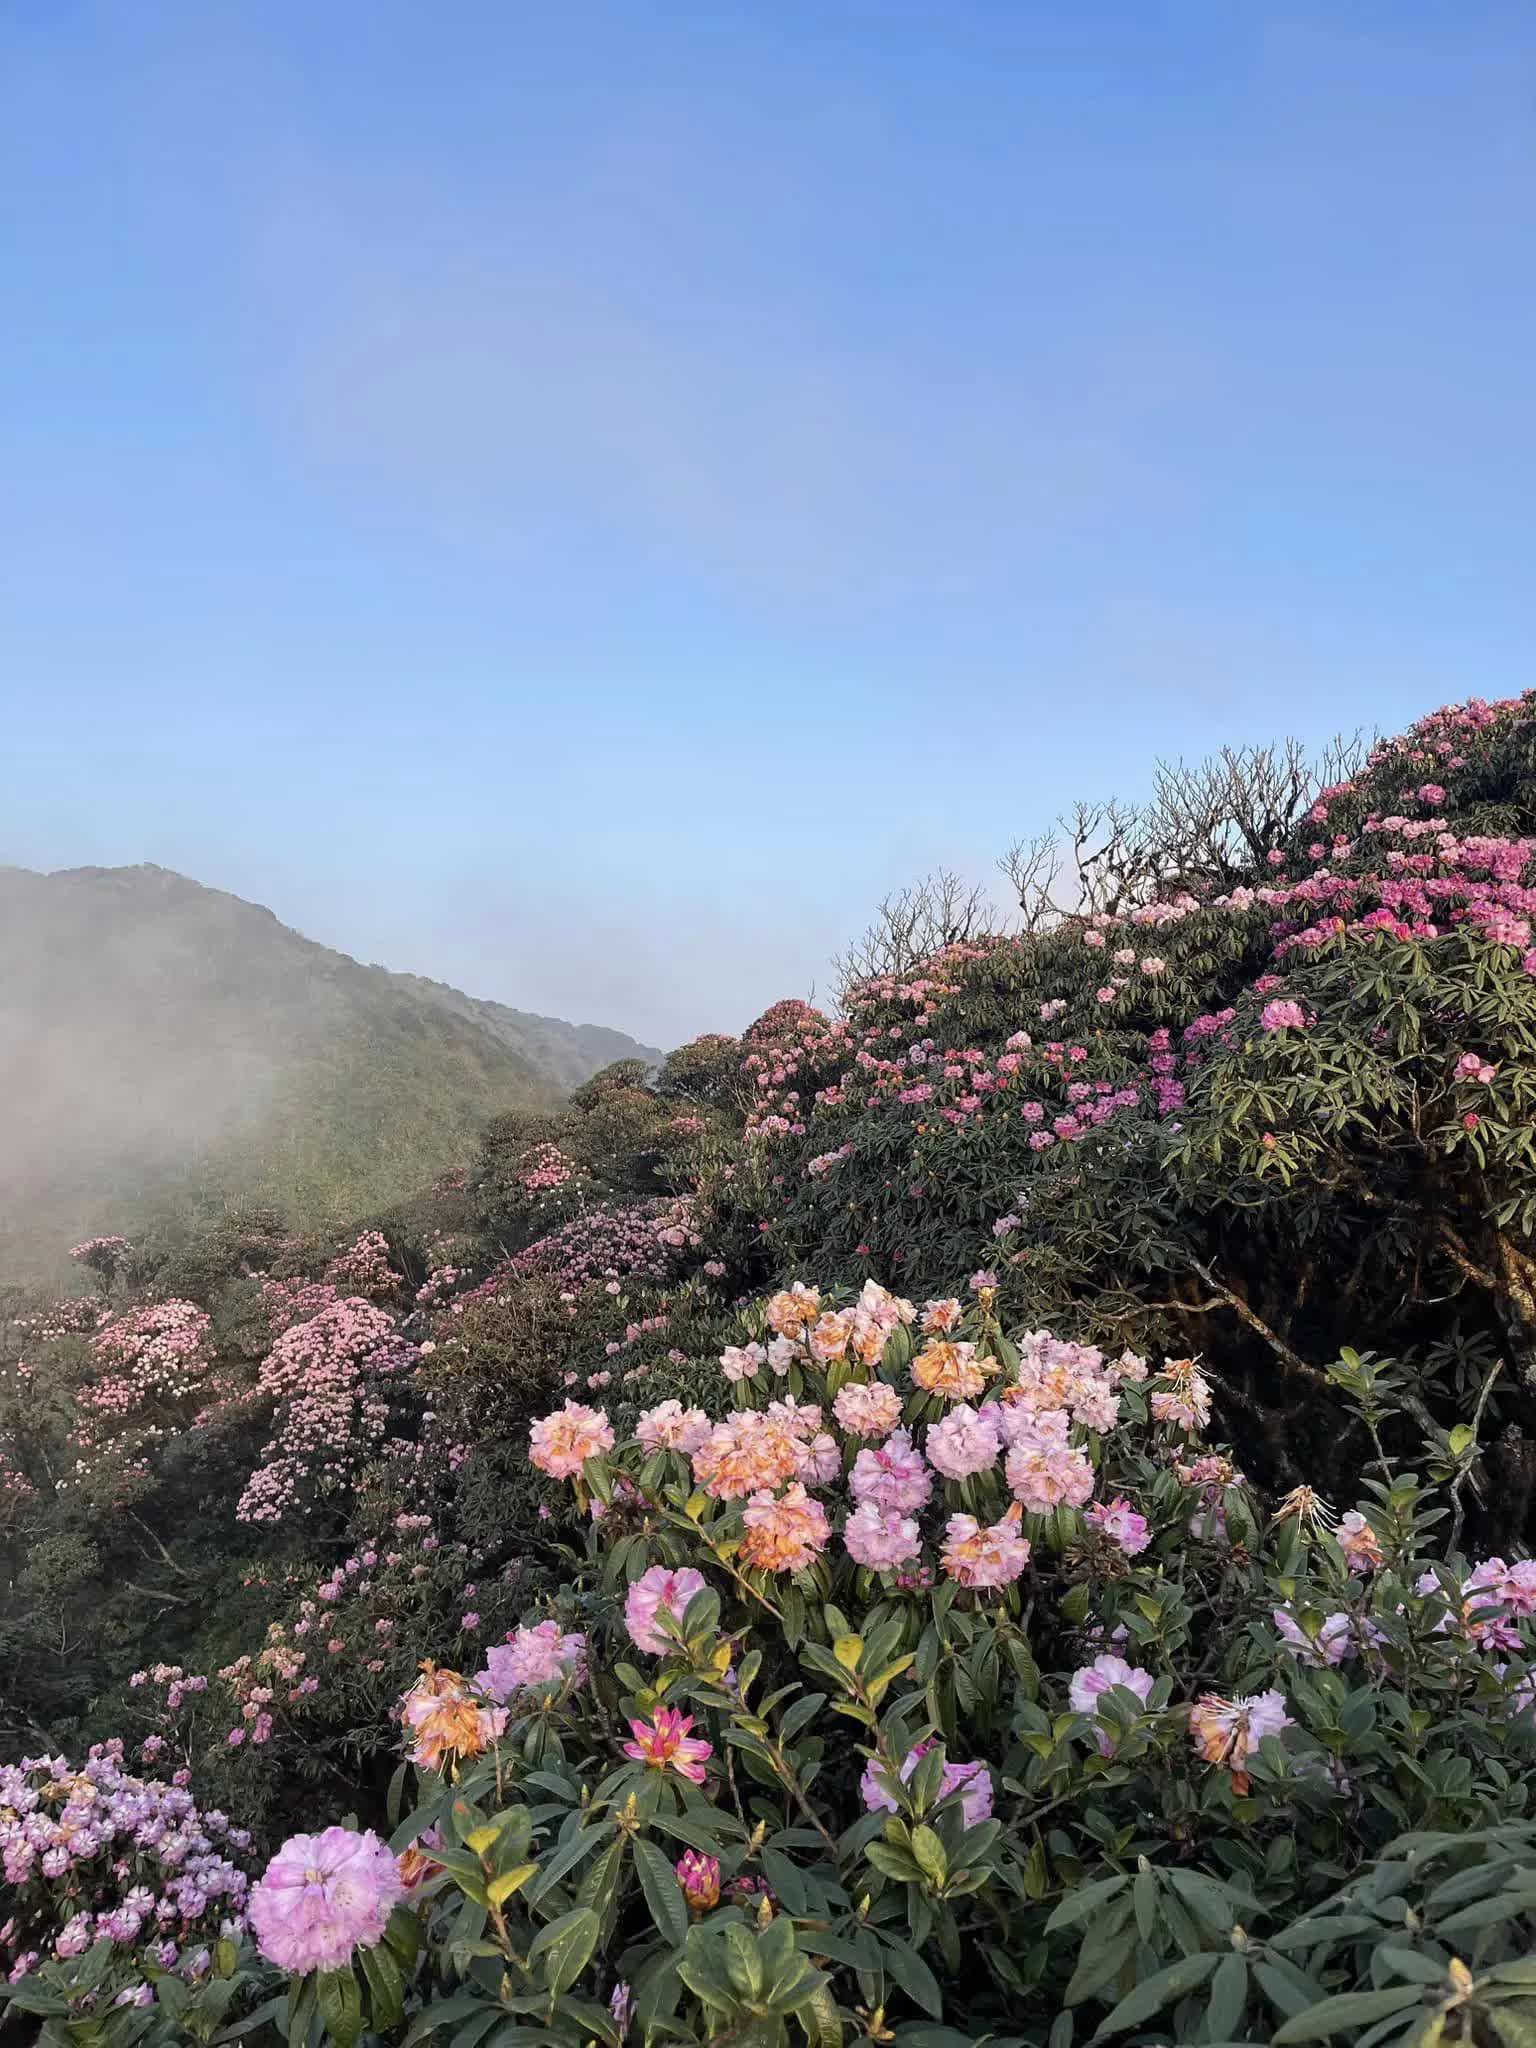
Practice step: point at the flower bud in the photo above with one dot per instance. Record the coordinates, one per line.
(699, 1876)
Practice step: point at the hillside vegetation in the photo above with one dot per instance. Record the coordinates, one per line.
(1001, 1515)
(167, 1049)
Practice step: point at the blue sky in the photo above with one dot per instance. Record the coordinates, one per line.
(583, 500)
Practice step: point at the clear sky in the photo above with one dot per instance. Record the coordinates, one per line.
(582, 499)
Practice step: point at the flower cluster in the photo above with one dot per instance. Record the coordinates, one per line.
(95, 1853)
(330, 1381)
(323, 1897)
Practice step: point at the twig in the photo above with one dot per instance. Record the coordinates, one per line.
(1464, 1472)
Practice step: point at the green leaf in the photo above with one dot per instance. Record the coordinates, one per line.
(1156, 1991)
(820, 2020)
(1085, 1900)
(565, 1947)
(1349, 2009)
(743, 1963)
(663, 1893)
(341, 2005)
(386, 1989)
(929, 1851)
(913, 1975)
(1229, 1994)
(443, 2014)
(581, 1845)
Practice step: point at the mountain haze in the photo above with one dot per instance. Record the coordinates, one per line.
(165, 1045)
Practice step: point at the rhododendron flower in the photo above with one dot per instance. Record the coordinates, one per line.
(699, 1876)
(1307, 1506)
(1283, 1016)
(1359, 1542)
(951, 1370)
(560, 1444)
(964, 1442)
(1471, 1068)
(985, 1558)
(1334, 1641)
(447, 1719)
(821, 1460)
(784, 1535)
(537, 1655)
(782, 1353)
(828, 1336)
(1186, 1399)
(416, 1862)
(1105, 1674)
(746, 1455)
(665, 1745)
(881, 1539)
(893, 1476)
(671, 1426)
(1119, 1521)
(789, 1313)
(1227, 1732)
(322, 1898)
(742, 1361)
(659, 1591)
(1046, 1476)
(940, 1317)
(975, 1778)
(868, 1408)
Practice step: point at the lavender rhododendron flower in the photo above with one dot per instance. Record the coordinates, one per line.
(975, 1778)
(322, 1897)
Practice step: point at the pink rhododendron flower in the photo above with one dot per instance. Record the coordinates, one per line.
(446, 1718)
(893, 1476)
(964, 1442)
(1227, 1731)
(1283, 1016)
(665, 1745)
(537, 1655)
(1105, 1674)
(1185, 1399)
(868, 1408)
(742, 1361)
(881, 1539)
(1334, 1641)
(1471, 1068)
(661, 1590)
(322, 1898)
(699, 1877)
(1119, 1521)
(560, 1444)
(671, 1426)
(1359, 1542)
(985, 1558)
(1043, 1476)
(784, 1535)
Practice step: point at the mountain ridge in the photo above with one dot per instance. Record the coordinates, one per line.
(169, 1046)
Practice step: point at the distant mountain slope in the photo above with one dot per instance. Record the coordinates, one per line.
(162, 1042)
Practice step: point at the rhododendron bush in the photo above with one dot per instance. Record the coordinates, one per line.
(1000, 1514)
(934, 1676)
(1254, 1108)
